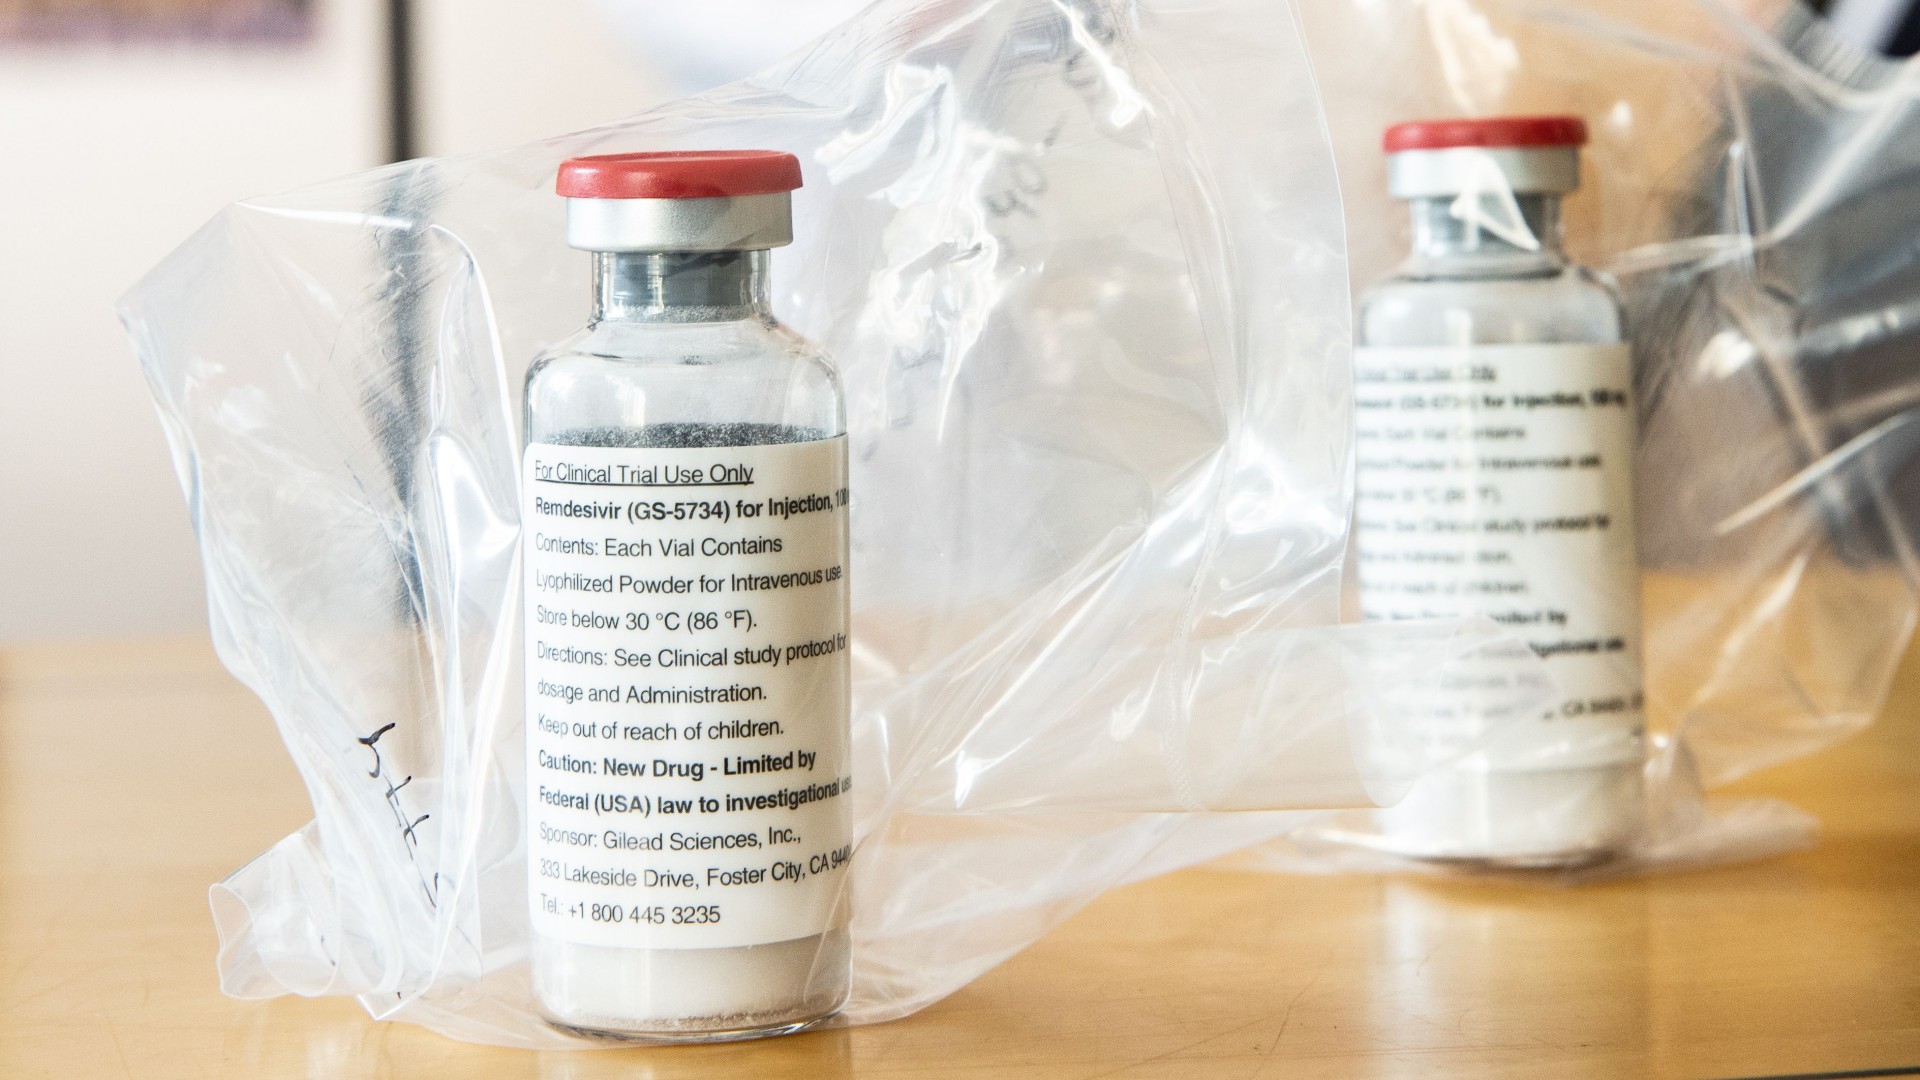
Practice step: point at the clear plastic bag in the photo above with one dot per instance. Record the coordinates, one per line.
(1750, 192)
(1081, 266)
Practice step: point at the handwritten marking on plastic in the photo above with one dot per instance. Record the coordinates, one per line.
(408, 825)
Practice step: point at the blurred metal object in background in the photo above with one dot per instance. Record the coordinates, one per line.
(1826, 329)
(1887, 27)
(289, 22)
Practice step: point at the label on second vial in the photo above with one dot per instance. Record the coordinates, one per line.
(687, 692)
(1498, 481)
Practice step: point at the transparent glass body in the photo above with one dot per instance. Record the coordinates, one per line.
(1464, 285)
(1467, 285)
(684, 350)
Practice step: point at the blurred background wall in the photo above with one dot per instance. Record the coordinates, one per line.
(127, 123)
(117, 144)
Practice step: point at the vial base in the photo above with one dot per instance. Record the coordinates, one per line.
(1516, 819)
(696, 1037)
(692, 995)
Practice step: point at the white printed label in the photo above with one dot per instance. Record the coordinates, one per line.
(1498, 481)
(687, 693)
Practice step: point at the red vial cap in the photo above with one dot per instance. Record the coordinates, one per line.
(679, 174)
(1491, 132)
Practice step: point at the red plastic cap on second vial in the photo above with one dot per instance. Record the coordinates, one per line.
(1517, 155)
(1490, 132)
(679, 174)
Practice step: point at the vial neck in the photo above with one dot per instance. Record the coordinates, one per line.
(680, 287)
(1504, 236)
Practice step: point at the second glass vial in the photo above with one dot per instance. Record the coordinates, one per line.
(1494, 477)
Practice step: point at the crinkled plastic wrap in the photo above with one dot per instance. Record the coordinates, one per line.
(1752, 191)
(1081, 266)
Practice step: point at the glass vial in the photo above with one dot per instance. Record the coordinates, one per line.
(1494, 454)
(687, 679)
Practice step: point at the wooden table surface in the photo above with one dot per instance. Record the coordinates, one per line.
(132, 776)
